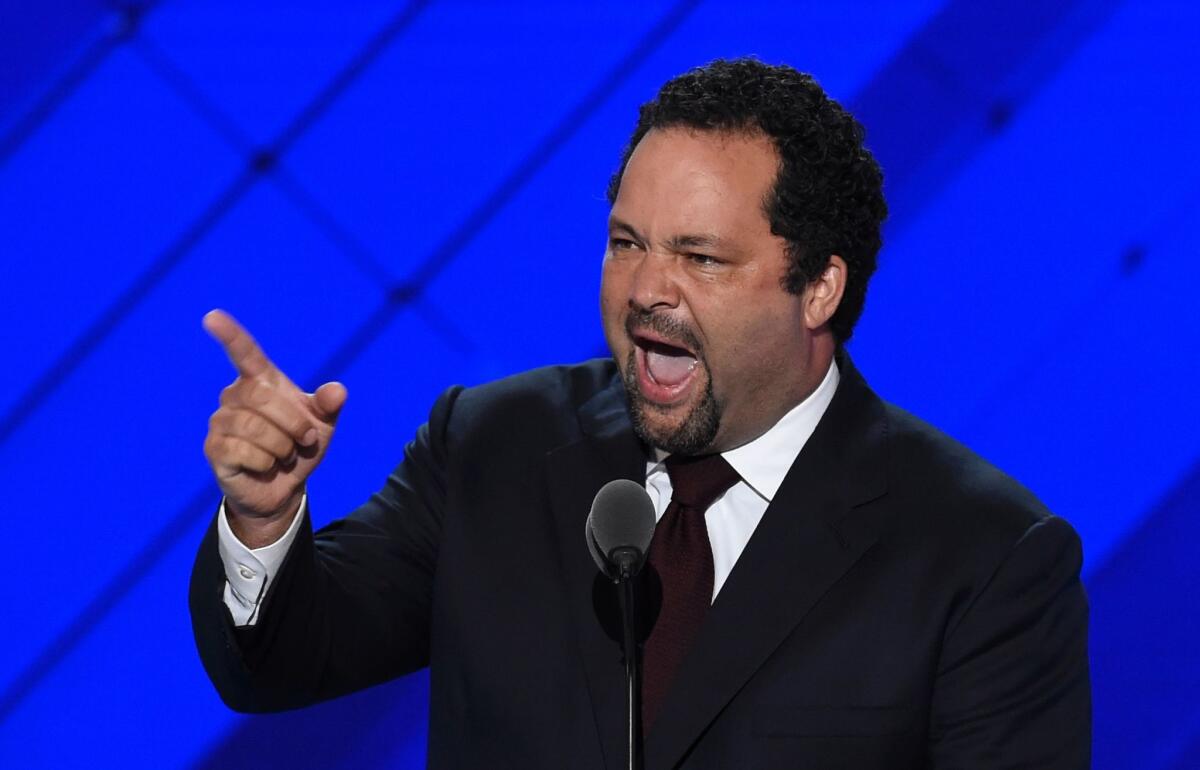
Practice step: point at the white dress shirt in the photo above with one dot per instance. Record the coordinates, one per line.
(248, 571)
(762, 464)
(731, 519)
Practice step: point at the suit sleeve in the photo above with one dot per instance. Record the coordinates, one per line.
(1013, 688)
(351, 604)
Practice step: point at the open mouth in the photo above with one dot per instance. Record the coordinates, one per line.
(665, 370)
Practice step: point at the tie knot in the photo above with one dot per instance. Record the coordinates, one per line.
(697, 481)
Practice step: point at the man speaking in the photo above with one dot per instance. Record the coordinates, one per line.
(841, 584)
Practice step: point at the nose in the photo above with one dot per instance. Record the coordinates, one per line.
(654, 285)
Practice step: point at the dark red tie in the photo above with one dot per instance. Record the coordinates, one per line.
(682, 556)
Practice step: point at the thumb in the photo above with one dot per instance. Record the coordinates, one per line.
(328, 401)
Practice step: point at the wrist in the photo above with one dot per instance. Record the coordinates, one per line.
(260, 530)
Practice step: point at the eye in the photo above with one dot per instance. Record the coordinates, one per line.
(621, 244)
(703, 259)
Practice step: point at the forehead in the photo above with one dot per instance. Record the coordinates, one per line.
(687, 178)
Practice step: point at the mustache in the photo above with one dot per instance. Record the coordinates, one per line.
(665, 326)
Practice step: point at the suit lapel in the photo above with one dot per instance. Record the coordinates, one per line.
(807, 539)
(608, 450)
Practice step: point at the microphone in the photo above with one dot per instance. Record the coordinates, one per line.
(619, 528)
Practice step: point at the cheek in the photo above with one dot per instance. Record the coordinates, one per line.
(610, 284)
(610, 312)
(751, 346)
(615, 286)
(612, 318)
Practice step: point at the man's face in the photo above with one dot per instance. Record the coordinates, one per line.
(712, 349)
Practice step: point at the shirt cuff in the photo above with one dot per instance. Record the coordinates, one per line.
(249, 571)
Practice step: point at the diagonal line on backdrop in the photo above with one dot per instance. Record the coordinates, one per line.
(109, 596)
(351, 247)
(344, 79)
(937, 102)
(475, 222)
(444, 327)
(94, 334)
(58, 372)
(28, 125)
(122, 30)
(411, 289)
(186, 89)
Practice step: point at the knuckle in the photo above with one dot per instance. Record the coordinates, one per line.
(216, 447)
(258, 393)
(250, 425)
(260, 460)
(299, 427)
(283, 446)
(245, 454)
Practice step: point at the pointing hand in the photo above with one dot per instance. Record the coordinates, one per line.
(267, 436)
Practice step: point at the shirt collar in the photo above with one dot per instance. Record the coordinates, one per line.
(764, 462)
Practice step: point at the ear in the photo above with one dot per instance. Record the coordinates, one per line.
(824, 293)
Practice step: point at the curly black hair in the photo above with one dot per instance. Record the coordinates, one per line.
(828, 195)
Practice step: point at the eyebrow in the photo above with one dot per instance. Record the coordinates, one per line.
(699, 240)
(675, 242)
(619, 225)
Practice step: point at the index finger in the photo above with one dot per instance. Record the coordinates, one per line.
(244, 353)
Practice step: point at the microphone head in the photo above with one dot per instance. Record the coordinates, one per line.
(621, 519)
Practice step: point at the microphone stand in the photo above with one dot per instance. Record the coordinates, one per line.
(628, 561)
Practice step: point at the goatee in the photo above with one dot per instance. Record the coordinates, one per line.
(693, 436)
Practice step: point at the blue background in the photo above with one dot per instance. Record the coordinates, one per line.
(406, 196)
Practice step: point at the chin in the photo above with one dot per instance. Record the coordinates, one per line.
(658, 427)
(687, 428)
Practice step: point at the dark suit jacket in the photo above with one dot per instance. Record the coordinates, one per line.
(901, 604)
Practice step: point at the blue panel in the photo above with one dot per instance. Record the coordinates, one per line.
(119, 444)
(1102, 404)
(135, 695)
(261, 63)
(90, 202)
(958, 81)
(1001, 313)
(431, 128)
